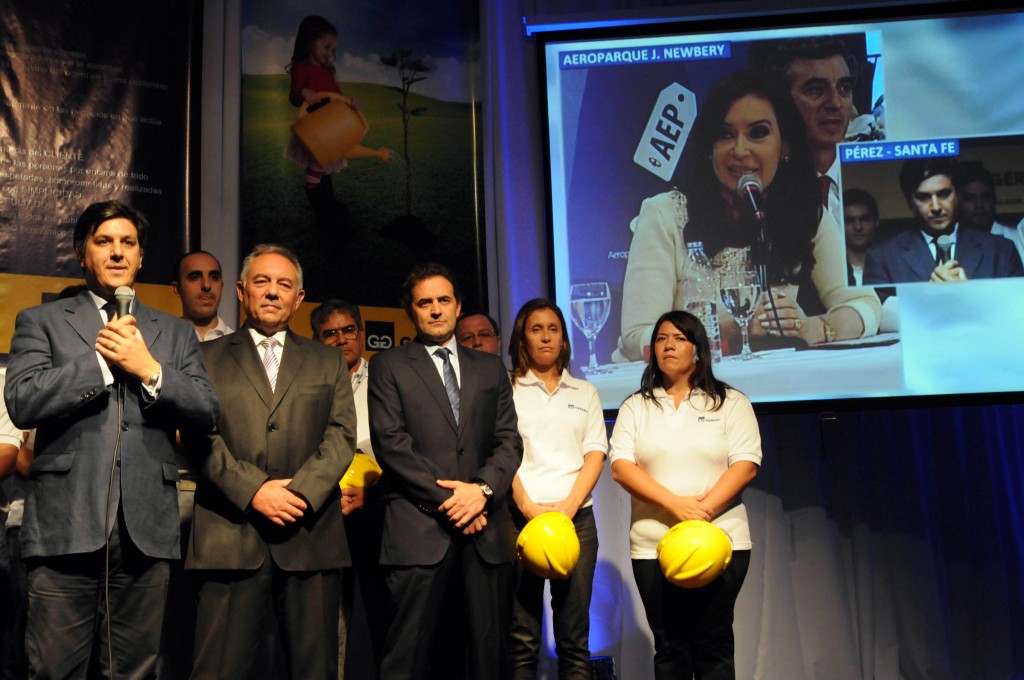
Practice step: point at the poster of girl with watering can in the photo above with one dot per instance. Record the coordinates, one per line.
(358, 146)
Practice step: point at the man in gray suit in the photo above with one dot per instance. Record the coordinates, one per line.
(106, 392)
(267, 526)
(920, 254)
(444, 429)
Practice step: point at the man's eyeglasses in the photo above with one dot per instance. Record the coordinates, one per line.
(347, 332)
(483, 335)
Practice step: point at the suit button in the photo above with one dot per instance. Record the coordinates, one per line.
(124, 427)
(461, 452)
(118, 461)
(272, 427)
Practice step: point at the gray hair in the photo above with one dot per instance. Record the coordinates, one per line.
(268, 249)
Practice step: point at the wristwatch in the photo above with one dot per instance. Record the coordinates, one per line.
(487, 491)
(154, 379)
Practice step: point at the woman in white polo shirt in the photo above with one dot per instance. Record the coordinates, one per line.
(685, 446)
(565, 442)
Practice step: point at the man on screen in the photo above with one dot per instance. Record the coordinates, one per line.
(938, 250)
(860, 220)
(817, 72)
(977, 192)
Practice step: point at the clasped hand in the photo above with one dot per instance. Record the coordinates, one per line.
(278, 503)
(791, 317)
(691, 507)
(121, 344)
(948, 272)
(352, 499)
(465, 507)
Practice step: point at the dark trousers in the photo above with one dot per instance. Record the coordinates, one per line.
(427, 633)
(363, 529)
(15, 664)
(68, 615)
(233, 609)
(692, 629)
(570, 609)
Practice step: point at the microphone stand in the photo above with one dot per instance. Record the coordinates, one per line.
(761, 263)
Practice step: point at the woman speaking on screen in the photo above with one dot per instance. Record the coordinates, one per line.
(746, 127)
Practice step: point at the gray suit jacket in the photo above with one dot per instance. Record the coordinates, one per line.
(905, 258)
(417, 442)
(54, 384)
(304, 430)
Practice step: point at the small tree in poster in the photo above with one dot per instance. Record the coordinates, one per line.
(410, 71)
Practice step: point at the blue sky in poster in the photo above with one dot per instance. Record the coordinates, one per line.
(368, 29)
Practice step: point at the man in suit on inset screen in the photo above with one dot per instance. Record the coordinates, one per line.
(106, 386)
(444, 429)
(938, 249)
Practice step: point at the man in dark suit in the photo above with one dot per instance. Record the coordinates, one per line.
(106, 393)
(444, 429)
(921, 254)
(267, 526)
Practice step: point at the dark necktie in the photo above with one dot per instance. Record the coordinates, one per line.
(111, 309)
(451, 383)
(824, 184)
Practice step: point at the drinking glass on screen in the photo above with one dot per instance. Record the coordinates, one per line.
(589, 306)
(739, 292)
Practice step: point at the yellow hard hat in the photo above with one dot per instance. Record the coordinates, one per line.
(548, 547)
(693, 553)
(363, 471)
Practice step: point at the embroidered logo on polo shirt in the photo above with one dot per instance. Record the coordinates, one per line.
(705, 419)
(577, 408)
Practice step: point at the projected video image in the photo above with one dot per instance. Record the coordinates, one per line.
(704, 172)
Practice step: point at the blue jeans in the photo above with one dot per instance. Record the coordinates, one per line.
(692, 628)
(570, 608)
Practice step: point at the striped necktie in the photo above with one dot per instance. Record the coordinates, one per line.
(451, 383)
(270, 362)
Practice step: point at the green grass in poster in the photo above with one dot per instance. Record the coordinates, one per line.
(358, 262)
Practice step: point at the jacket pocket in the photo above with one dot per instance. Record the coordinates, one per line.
(52, 463)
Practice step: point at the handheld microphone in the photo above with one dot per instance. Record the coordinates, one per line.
(943, 248)
(749, 188)
(124, 296)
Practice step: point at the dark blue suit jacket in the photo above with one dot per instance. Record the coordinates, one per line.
(417, 442)
(55, 384)
(906, 258)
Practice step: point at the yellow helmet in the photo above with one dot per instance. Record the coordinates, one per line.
(693, 553)
(363, 471)
(548, 547)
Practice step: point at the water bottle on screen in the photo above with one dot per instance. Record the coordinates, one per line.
(589, 306)
(700, 291)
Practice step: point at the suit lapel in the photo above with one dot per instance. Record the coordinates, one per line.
(917, 256)
(84, 317)
(968, 252)
(468, 382)
(423, 364)
(295, 352)
(145, 321)
(243, 351)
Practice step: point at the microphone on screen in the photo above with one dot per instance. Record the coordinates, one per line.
(749, 189)
(944, 248)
